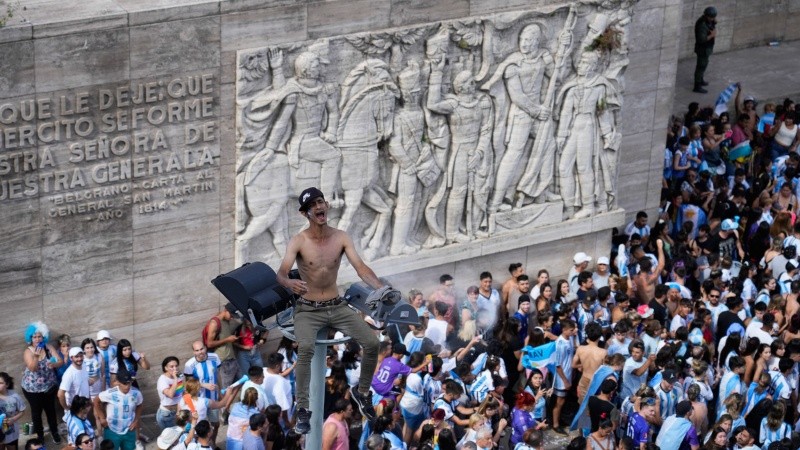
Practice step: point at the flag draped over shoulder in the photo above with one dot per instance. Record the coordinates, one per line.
(538, 357)
(722, 101)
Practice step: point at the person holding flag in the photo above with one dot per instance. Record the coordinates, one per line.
(610, 370)
(678, 429)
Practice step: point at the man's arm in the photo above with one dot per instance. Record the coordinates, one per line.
(62, 399)
(99, 412)
(135, 424)
(292, 250)
(329, 434)
(361, 268)
(212, 333)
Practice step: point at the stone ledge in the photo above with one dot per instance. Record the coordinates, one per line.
(391, 265)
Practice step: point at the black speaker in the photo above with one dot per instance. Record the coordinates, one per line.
(254, 286)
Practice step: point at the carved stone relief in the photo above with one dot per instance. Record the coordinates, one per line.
(433, 135)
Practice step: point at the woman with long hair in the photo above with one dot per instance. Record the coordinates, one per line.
(750, 349)
(544, 300)
(718, 440)
(491, 409)
(336, 387)
(170, 388)
(730, 350)
(725, 422)
(93, 365)
(288, 348)
(77, 419)
(351, 358)
(603, 438)
(239, 418)
(13, 408)
(773, 428)
(275, 439)
(127, 361)
(39, 383)
(760, 363)
(562, 289)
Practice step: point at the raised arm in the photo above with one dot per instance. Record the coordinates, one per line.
(361, 268)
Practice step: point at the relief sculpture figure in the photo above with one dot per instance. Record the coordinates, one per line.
(367, 109)
(470, 164)
(523, 74)
(306, 118)
(414, 165)
(263, 183)
(585, 129)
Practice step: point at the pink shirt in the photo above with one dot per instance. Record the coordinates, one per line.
(342, 441)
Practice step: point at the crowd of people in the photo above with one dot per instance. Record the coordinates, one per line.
(686, 335)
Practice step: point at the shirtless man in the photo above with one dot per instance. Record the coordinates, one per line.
(646, 279)
(318, 252)
(589, 357)
(515, 269)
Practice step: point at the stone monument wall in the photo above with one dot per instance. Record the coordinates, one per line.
(129, 145)
(742, 23)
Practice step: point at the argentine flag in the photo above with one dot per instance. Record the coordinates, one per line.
(722, 101)
(538, 357)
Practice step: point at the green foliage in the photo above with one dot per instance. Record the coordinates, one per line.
(9, 13)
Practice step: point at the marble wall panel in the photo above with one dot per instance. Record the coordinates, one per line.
(151, 11)
(175, 46)
(16, 68)
(20, 275)
(335, 17)
(752, 30)
(178, 244)
(467, 272)
(639, 76)
(94, 260)
(637, 113)
(82, 59)
(174, 292)
(61, 18)
(406, 12)
(20, 228)
(17, 29)
(263, 27)
(646, 29)
(90, 308)
(477, 7)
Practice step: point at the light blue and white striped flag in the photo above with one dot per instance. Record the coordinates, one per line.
(724, 97)
(538, 357)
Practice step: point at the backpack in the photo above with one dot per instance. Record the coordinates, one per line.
(205, 329)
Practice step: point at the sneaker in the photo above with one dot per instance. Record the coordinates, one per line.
(699, 90)
(704, 83)
(364, 402)
(303, 424)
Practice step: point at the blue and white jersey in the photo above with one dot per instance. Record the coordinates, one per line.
(729, 384)
(539, 410)
(769, 435)
(205, 372)
(583, 317)
(76, 426)
(413, 344)
(753, 397)
(668, 400)
(108, 355)
(564, 353)
(395, 442)
(616, 347)
(481, 387)
(779, 388)
(120, 408)
(448, 407)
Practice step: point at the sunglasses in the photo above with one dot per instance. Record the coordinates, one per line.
(87, 441)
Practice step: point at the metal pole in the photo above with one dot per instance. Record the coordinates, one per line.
(316, 390)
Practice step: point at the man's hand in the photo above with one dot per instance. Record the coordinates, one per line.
(299, 287)
(543, 113)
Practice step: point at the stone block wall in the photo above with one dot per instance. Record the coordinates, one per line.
(139, 262)
(742, 23)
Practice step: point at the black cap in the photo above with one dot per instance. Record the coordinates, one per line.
(710, 12)
(399, 349)
(307, 196)
(669, 376)
(124, 377)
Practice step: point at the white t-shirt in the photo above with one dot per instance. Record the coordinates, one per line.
(164, 383)
(278, 390)
(676, 323)
(121, 408)
(74, 382)
(261, 403)
(413, 399)
(436, 331)
(200, 406)
(758, 332)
